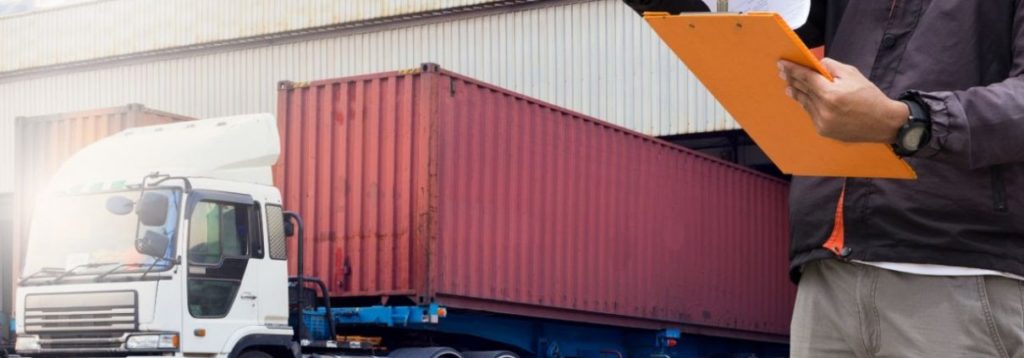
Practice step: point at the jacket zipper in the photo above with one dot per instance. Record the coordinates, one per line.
(998, 189)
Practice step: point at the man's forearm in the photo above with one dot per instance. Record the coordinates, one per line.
(977, 127)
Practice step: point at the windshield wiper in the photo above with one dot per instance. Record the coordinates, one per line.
(158, 260)
(72, 270)
(115, 269)
(52, 271)
(149, 268)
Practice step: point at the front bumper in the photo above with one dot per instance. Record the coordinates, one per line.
(94, 352)
(92, 356)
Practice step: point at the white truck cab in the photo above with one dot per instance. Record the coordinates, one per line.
(165, 240)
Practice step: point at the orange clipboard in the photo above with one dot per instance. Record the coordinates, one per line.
(736, 57)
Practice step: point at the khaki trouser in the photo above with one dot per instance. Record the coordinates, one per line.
(853, 310)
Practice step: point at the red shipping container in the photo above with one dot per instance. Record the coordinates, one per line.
(427, 186)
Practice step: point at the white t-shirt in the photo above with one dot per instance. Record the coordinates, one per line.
(938, 270)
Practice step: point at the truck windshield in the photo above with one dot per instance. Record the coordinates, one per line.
(75, 235)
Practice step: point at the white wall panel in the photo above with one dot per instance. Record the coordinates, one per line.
(595, 57)
(120, 27)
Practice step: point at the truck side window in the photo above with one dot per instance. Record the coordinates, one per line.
(211, 298)
(256, 239)
(275, 231)
(219, 246)
(218, 230)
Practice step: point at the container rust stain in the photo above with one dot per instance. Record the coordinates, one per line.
(427, 185)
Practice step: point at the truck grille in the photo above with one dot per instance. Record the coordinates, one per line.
(94, 320)
(80, 342)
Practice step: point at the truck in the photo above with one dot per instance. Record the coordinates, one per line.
(213, 237)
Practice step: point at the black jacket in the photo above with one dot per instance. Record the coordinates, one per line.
(966, 57)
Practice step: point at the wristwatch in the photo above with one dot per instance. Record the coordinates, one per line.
(917, 132)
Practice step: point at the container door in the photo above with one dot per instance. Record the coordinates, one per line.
(222, 279)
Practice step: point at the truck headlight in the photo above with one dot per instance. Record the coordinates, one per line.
(27, 343)
(153, 341)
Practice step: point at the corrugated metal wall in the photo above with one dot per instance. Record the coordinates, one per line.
(595, 57)
(120, 27)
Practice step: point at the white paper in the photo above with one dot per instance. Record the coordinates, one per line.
(795, 12)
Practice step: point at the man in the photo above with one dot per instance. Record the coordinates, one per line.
(931, 267)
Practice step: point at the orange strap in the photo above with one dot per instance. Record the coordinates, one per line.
(837, 240)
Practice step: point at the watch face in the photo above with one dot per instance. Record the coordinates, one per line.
(911, 139)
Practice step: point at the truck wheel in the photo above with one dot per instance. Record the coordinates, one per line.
(432, 352)
(491, 354)
(254, 354)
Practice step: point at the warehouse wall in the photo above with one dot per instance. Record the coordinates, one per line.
(596, 57)
(119, 27)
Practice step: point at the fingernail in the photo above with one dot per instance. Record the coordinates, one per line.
(789, 92)
(782, 75)
(781, 67)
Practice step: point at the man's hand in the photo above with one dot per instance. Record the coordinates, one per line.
(850, 108)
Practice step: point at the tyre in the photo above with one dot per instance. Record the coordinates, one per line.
(490, 354)
(431, 352)
(254, 354)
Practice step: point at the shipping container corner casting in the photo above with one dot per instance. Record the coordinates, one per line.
(425, 186)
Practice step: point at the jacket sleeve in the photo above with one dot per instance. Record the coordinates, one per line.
(981, 126)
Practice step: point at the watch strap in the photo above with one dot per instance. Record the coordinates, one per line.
(919, 118)
(917, 111)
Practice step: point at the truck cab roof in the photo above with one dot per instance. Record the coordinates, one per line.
(236, 149)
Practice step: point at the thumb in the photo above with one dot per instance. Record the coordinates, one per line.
(836, 68)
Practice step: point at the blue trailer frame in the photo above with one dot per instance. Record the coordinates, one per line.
(541, 338)
(530, 337)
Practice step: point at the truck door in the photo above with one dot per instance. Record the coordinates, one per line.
(222, 280)
(274, 282)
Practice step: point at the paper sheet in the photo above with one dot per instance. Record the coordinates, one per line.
(793, 11)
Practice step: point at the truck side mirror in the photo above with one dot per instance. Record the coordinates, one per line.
(289, 227)
(119, 205)
(152, 209)
(152, 244)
